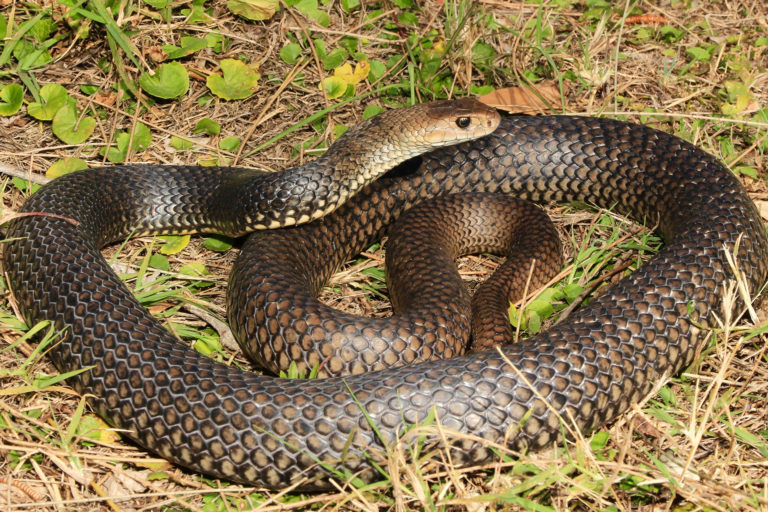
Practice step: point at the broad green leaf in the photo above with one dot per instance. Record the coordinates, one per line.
(43, 29)
(69, 128)
(372, 110)
(30, 56)
(348, 5)
(255, 10)
(345, 77)
(208, 126)
(482, 51)
(142, 138)
(65, 166)
(173, 244)
(3, 27)
(309, 8)
(204, 346)
(671, 34)
(408, 18)
(334, 86)
(53, 97)
(11, 97)
(237, 81)
(542, 307)
(194, 269)
(218, 243)
(159, 262)
(215, 41)
(534, 322)
(93, 427)
(180, 144)
(170, 80)
(698, 54)
(334, 59)
(321, 49)
(378, 69)
(572, 291)
(197, 13)
(339, 130)
(290, 53)
(189, 45)
(229, 143)
(25, 186)
(599, 440)
(746, 170)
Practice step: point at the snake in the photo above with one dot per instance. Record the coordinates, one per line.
(256, 429)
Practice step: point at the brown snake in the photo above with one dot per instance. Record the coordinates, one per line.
(266, 431)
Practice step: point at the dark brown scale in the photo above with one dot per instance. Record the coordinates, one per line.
(267, 431)
(433, 311)
(424, 281)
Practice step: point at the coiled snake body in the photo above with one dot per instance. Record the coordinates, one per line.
(267, 431)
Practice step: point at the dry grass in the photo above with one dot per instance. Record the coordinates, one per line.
(698, 443)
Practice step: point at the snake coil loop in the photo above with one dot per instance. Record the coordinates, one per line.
(262, 430)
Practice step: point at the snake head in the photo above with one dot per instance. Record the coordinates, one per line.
(382, 142)
(444, 123)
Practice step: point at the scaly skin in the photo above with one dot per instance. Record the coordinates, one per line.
(267, 431)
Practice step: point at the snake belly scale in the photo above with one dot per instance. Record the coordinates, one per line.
(267, 431)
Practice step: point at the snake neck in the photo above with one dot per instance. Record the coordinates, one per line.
(360, 156)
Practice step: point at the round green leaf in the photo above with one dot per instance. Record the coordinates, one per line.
(207, 125)
(378, 69)
(290, 53)
(237, 81)
(218, 243)
(71, 130)
(334, 86)
(170, 80)
(334, 59)
(65, 166)
(194, 269)
(159, 262)
(309, 8)
(572, 291)
(189, 45)
(53, 97)
(229, 143)
(180, 144)
(142, 138)
(372, 110)
(11, 97)
(253, 9)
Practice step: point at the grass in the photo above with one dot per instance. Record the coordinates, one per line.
(699, 442)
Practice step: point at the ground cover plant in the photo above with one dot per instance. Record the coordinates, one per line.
(254, 83)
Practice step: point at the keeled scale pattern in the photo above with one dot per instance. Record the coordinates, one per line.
(263, 430)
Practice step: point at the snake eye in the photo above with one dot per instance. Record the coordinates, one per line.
(463, 122)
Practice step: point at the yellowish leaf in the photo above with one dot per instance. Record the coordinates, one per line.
(334, 86)
(93, 427)
(253, 9)
(360, 73)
